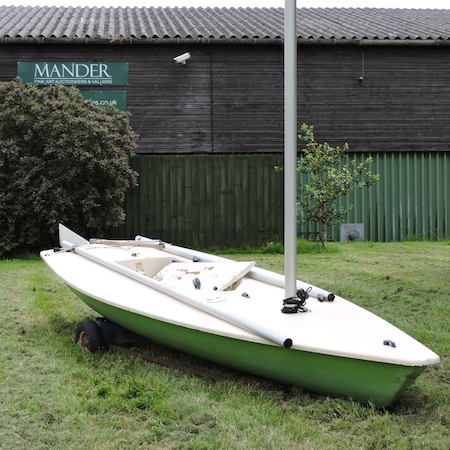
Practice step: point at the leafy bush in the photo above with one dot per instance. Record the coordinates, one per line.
(273, 248)
(61, 160)
(276, 248)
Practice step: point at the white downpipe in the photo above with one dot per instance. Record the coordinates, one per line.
(239, 321)
(290, 147)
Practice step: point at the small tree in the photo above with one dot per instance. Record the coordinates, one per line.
(62, 159)
(319, 198)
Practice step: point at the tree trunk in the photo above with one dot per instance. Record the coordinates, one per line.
(323, 234)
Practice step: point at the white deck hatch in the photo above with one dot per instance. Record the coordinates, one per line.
(212, 275)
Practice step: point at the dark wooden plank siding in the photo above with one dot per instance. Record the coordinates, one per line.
(170, 103)
(228, 99)
(247, 99)
(401, 104)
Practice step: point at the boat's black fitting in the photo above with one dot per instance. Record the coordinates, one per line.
(290, 306)
(302, 294)
(322, 298)
(294, 305)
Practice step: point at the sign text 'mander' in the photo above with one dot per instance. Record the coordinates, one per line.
(74, 73)
(72, 70)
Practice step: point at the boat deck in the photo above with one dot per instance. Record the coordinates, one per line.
(338, 328)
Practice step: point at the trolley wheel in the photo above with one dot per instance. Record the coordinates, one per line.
(88, 336)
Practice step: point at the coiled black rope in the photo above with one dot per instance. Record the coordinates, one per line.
(297, 304)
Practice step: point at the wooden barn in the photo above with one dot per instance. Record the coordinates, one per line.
(205, 90)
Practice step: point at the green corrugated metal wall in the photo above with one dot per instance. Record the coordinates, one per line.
(237, 200)
(207, 200)
(410, 201)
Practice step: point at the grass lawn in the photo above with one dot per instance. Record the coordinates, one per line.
(54, 396)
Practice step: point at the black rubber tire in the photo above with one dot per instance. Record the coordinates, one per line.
(88, 336)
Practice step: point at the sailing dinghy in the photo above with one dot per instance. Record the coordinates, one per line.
(235, 314)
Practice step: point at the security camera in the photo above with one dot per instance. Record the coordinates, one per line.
(181, 59)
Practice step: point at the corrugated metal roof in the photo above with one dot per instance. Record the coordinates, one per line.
(220, 24)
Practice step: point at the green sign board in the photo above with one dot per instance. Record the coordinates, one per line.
(74, 73)
(108, 99)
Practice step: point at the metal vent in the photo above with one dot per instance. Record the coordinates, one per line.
(352, 232)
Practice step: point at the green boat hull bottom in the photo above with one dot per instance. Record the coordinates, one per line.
(359, 380)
